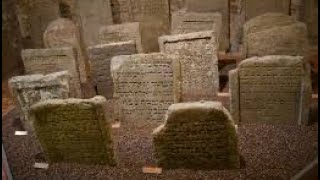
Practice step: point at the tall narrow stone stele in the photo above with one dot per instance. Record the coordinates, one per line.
(74, 130)
(143, 85)
(100, 60)
(197, 135)
(92, 16)
(271, 90)
(44, 61)
(274, 34)
(153, 17)
(120, 33)
(199, 76)
(30, 89)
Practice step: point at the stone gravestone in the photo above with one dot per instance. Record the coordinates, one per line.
(210, 6)
(74, 130)
(143, 85)
(199, 68)
(153, 16)
(34, 17)
(63, 32)
(30, 89)
(270, 90)
(44, 61)
(274, 34)
(187, 22)
(100, 60)
(92, 16)
(197, 135)
(120, 33)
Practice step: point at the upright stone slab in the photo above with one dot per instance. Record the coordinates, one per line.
(210, 6)
(188, 22)
(255, 8)
(100, 60)
(153, 16)
(274, 34)
(143, 85)
(121, 32)
(93, 15)
(44, 61)
(271, 90)
(74, 130)
(199, 67)
(63, 32)
(34, 17)
(197, 135)
(30, 89)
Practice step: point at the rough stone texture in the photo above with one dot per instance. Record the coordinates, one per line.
(34, 17)
(120, 33)
(187, 22)
(11, 39)
(74, 130)
(44, 61)
(63, 32)
(237, 19)
(30, 89)
(100, 60)
(271, 90)
(280, 34)
(153, 16)
(234, 94)
(256, 8)
(199, 74)
(211, 6)
(176, 5)
(197, 135)
(309, 15)
(143, 85)
(93, 15)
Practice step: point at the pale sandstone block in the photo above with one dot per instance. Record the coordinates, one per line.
(30, 89)
(197, 135)
(44, 61)
(273, 90)
(121, 32)
(198, 70)
(74, 130)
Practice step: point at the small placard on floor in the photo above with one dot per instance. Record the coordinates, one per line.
(41, 165)
(21, 133)
(152, 170)
(116, 125)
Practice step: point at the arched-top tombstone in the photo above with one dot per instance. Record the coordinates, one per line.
(197, 135)
(62, 32)
(274, 34)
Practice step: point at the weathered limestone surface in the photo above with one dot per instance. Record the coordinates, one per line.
(274, 34)
(74, 130)
(210, 6)
(256, 8)
(34, 17)
(271, 90)
(93, 15)
(153, 16)
(63, 32)
(44, 61)
(143, 85)
(30, 89)
(188, 22)
(100, 60)
(197, 135)
(121, 32)
(199, 74)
